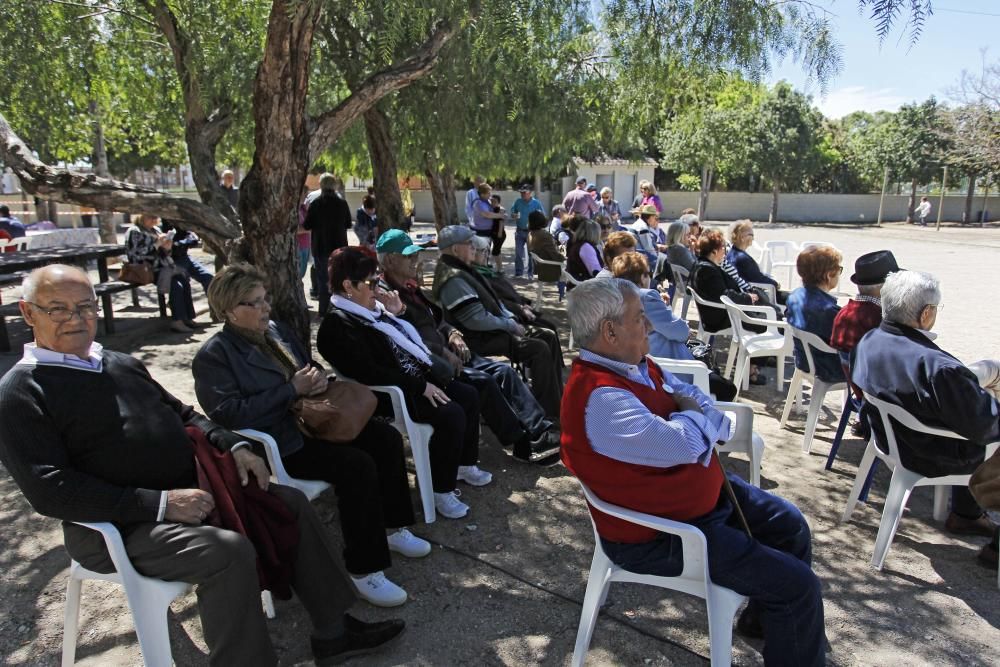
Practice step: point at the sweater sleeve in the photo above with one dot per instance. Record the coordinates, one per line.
(663, 319)
(588, 255)
(462, 302)
(32, 450)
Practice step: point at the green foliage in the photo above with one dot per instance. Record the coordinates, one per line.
(689, 182)
(785, 141)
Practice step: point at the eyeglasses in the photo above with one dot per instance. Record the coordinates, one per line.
(60, 314)
(372, 283)
(259, 304)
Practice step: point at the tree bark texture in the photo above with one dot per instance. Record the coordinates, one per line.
(382, 151)
(911, 203)
(969, 196)
(706, 186)
(442, 182)
(775, 191)
(105, 218)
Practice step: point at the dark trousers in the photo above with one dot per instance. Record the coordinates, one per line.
(322, 282)
(373, 492)
(963, 504)
(180, 299)
(536, 353)
(517, 413)
(456, 432)
(195, 270)
(773, 569)
(223, 566)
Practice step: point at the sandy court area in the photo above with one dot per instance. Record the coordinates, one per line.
(503, 585)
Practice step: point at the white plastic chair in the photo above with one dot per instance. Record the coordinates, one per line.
(781, 256)
(706, 336)
(538, 261)
(681, 277)
(758, 253)
(419, 437)
(14, 245)
(722, 603)
(811, 343)
(148, 599)
(903, 481)
(744, 438)
(774, 342)
(311, 487)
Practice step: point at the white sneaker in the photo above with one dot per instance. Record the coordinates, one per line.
(378, 590)
(408, 544)
(474, 476)
(448, 505)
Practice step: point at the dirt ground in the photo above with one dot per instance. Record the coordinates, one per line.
(504, 584)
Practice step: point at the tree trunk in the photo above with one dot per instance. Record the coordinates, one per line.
(986, 195)
(382, 150)
(969, 195)
(706, 185)
(275, 183)
(912, 202)
(775, 191)
(41, 209)
(105, 218)
(442, 183)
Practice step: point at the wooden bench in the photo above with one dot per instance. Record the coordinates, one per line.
(102, 290)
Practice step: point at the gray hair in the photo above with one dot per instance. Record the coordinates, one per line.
(589, 232)
(595, 301)
(30, 285)
(676, 232)
(231, 285)
(606, 191)
(905, 294)
(327, 182)
(481, 243)
(688, 219)
(558, 209)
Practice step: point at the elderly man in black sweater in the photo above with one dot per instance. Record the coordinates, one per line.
(88, 435)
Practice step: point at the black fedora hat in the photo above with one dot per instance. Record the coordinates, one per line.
(871, 269)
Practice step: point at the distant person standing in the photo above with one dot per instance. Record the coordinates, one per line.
(328, 218)
(366, 227)
(579, 201)
(230, 191)
(923, 210)
(520, 211)
(470, 200)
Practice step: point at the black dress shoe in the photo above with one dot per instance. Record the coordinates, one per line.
(541, 448)
(360, 638)
(959, 525)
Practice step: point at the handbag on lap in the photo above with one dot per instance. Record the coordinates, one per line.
(338, 414)
(136, 273)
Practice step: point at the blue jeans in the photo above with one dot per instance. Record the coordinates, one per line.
(322, 282)
(772, 569)
(521, 253)
(304, 255)
(195, 270)
(181, 303)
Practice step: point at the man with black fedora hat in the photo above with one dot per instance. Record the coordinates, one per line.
(864, 312)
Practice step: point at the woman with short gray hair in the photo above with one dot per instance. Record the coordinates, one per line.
(608, 207)
(907, 294)
(677, 250)
(594, 302)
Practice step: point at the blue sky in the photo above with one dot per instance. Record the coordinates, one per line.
(878, 77)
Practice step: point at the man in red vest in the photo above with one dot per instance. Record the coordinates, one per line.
(641, 439)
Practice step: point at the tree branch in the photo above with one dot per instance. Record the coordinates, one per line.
(68, 186)
(329, 126)
(103, 9)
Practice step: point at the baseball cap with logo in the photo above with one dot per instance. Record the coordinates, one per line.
(396, 241)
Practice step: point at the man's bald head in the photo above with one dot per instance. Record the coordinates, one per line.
(52, 277)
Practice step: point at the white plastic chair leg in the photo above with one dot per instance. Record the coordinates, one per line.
(942, 496)
(268, 601)
(815, 406)
(859, 482)
(597, 592)
(780, 378)
(150, 616)
(900, 487)
(793, 389)
(71, 624)
(420, 446)
(734, 345)
(722, 606)
(756, 457)
(742, 375)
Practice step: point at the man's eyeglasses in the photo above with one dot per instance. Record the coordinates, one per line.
(60, 314)
(258, 304)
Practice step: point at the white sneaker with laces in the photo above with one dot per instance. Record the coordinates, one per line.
(378, 590)
(449, 506)
(408, 544)
(474, 476)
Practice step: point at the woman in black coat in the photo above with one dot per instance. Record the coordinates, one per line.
(368, 343)
(250, 374)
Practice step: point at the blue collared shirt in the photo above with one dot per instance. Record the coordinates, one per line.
(621, 427)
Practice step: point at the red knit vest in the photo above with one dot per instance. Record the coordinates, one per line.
(680, 492)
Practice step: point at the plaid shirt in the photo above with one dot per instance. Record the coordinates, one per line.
(862, 314)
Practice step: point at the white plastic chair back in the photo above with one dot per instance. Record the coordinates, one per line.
(781, 257)
(757, 252)
(811, 343)
(310, 487)
(538, 261)
(419, 437)
(148, 599)
(744, 439)
(694, 579)
(816, 244)
(775, 341)
(706, 336)
(903, 481)
(681, 278)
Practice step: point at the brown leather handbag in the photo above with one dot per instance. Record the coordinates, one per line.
(338, 414)
(136, 273)
(985, 483)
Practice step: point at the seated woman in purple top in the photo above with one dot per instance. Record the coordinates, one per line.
(812, 308)
(583, 261)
